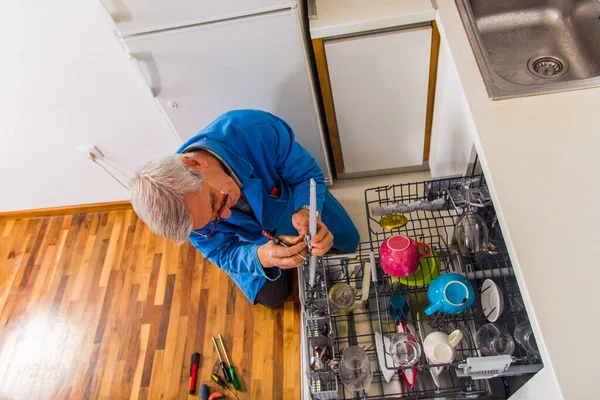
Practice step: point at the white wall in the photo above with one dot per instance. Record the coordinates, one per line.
(65, 81)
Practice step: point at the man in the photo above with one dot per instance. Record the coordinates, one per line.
(243, 174)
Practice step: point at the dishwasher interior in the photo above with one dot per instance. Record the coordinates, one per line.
(432, 209)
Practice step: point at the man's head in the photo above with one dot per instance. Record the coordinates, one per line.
(177, 194)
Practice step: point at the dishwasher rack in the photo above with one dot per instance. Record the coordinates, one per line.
(369, 317)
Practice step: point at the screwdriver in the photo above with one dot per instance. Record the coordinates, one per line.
(236, 382)
(204, 392)
(222, 364)
(269, 235)
(221, 383)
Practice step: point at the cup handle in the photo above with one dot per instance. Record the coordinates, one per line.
(455, 337)
(427, 249)
(434, 307)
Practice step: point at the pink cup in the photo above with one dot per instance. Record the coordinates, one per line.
(399, 255)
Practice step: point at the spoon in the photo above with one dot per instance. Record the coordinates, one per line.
(316, 362)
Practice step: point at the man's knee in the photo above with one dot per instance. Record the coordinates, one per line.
(274, 293)
(274, 301)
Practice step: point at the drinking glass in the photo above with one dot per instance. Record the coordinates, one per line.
(524, 336)
(405, 349)
(494, 340)
(342, 298)
(355, 368)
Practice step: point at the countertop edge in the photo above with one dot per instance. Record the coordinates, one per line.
(353, 27)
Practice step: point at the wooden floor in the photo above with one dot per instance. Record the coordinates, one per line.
(96, 306)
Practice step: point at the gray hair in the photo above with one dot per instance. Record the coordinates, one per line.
(157, 193)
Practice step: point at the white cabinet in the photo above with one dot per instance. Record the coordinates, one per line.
(138, 16)
(452, 132)
(379, 85)
(259, 62)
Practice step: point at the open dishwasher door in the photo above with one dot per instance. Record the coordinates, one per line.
(432, 210)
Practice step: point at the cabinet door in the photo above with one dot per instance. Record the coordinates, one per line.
(379, 85)
(138, 16)
(200, 72)
(452, 132)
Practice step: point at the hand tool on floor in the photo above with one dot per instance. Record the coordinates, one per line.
(222, 383)
(222, 364)
(194, 371)
(236, 382)
(269, 235)
(204, 392)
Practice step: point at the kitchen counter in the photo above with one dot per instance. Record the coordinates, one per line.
(343, 17)
(539, 155)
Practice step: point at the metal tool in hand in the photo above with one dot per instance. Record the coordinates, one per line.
(308, 245)
(269, 235)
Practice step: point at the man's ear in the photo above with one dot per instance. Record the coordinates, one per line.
(194, 162)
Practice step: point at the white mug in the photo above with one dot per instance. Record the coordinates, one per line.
(439, 347)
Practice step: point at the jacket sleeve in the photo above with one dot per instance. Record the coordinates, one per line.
(233, 255)
(296, 166)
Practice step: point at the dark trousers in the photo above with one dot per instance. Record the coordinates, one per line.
(274, 293)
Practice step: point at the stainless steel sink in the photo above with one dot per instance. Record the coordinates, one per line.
(528, 47)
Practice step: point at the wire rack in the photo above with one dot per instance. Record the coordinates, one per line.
(370, 317)
(436, 228)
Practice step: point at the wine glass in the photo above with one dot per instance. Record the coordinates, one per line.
(471, 231)
(355, 368)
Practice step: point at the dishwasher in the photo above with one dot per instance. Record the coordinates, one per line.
(427, 212)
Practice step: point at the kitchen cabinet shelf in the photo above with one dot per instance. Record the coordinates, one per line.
(369, 316)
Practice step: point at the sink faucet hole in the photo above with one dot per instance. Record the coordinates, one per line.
(547, 66)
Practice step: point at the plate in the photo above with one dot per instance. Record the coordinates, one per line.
(381, 343)
(492, 300)
(428, 270)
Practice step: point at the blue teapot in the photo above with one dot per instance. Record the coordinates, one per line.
(450, 294)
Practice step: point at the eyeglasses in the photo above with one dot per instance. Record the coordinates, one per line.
(215, 221)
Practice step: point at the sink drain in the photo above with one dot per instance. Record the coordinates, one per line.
(547, 67)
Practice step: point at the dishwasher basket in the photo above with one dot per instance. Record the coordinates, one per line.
(369, 318)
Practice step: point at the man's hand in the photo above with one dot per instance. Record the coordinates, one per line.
(273, 255)
(322, 241)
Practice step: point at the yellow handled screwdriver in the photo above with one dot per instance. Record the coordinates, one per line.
(222, 383)
(236, 382)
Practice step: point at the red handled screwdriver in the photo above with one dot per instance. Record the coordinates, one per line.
(194, 371)
(269, 235)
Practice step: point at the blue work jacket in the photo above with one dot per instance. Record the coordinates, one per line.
(259, 148)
